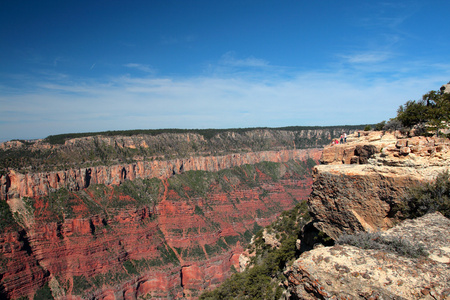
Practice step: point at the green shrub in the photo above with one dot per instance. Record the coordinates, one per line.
(6, 217)
(310, 163)
(270, 168)
(167, 254)
(44, 293)
(412, 113)
(380, 126)
(80, 285)
(130, 267)
(231, 239)
(428, 197)
(393, 124)
(261, 281)
(198, 211)
(370, 240)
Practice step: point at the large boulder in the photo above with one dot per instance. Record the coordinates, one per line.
(348, 272)
(349, 198)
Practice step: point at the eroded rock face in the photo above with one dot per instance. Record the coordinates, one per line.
(60, 153)
(110, 246)
(17, 185)
(348, 198)
(18, 266)
(354, 190)
(347, 272)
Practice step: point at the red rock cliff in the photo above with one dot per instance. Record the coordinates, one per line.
(17, 185)
(114, 233)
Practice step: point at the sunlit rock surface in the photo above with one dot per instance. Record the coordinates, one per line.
(347, 272)
(350, 196)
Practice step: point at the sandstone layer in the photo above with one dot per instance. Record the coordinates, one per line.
(347, 272)
(358, 182)
(354, 190)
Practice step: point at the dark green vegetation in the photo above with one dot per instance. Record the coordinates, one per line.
(97, 199)
(43, 293)
(428, 115)
(426, 198)
(374, 240)
(101, 204)
(206, 133)
(68, 151)
(7, 221)
(261, 279)
(199, 183)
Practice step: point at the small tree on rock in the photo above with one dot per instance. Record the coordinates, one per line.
(433, 111)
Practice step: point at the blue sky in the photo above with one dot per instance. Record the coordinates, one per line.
(79, 66)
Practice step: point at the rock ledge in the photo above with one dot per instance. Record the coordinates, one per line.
(347, 272)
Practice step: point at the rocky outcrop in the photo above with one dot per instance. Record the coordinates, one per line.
(347, 272)
(358, 182)
(17, 185)
(445, 88)
(354, 190)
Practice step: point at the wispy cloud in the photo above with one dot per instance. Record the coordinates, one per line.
(172, 40)
(230, 59)
(388, 14)
(140, 67)
(369, 57)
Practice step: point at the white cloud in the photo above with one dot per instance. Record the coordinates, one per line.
(367, 57)
(58, 104)
(230, 59)
(140, 67)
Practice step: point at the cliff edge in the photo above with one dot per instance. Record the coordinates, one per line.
(355, 190)
(359, 182)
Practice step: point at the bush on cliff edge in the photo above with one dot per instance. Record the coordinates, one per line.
(427, 198)
(374, 240)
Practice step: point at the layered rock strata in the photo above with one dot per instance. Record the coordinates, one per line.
(354, 190)
(158, 229)
(358, 182)
(17, 185)
(75, 151)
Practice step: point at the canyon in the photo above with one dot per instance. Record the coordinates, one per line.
(140, 227)
(132, 227)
